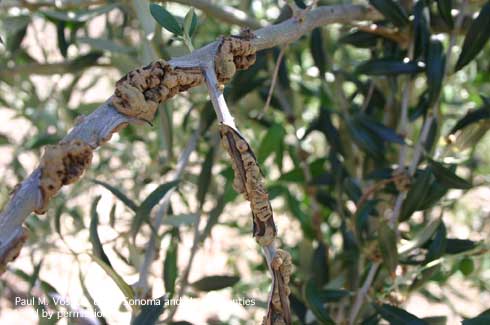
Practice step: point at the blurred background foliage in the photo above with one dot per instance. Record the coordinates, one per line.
(367, 127)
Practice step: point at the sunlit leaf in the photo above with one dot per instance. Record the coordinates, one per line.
(387, 241)
(118, 280)
(165, 19)
(118, 193)
(170, 270)
(190, 22)
(97, 248)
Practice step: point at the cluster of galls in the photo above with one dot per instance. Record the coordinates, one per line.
(282, 267)
(248, 181)
(234, 53)
(62, 164)
(140, 91)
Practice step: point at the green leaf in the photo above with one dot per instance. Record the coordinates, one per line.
(360, 39)
(272, 140)
(4, 139)
(57, 220)
(387, 242)
(435, 193)
(332, 295)
(324, 124)
(472, 116)
(120, 195)
(112, 216)
(41, 140)
(165, 19)
(84, 61)
(482, 319)
(445, 7)
(104, 44)
(447, 177)
(80, 15)
(421, 237)
(435, 320)
(420, 29)
(90, 299)
(436, 63)
(217, 210)
(466, 266)
(456, 246)
(366, 139)
(318, 51)
(391, 10)
(319, 265)
(190, 22)
(379, 67)
(384, 132)
(362, 215)
(62, 43)
(397, 316)
(416, 195)
(437, 247)
(215, 282)
(97, 248)
(204, 180)
(150, 313)
(35, 274)
(155, 196)
(180, 219)
(312, 297)
(476, 37)
(118, 280)
(170, 269)
(144, 210)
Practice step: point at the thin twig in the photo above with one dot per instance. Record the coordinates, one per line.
(362, 292)
(274, 78)
(142, 284)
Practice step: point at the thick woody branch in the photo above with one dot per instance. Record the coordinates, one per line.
(93, 129)
(97, 127)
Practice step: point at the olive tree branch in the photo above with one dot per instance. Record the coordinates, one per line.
(99, 125)
(224, 13)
